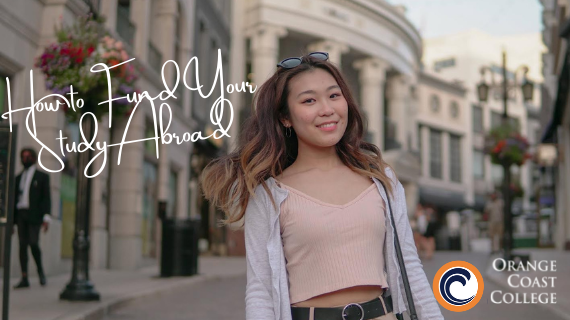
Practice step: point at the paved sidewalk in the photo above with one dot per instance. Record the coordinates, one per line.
(117, 288)
(561, 283)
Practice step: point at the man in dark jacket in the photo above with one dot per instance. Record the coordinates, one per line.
(32, 207)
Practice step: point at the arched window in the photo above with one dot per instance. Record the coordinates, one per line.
(434, 103)
(454, 109)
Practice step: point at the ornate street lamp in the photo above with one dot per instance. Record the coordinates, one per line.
(80, 287)
(483, 92)
(527, 89)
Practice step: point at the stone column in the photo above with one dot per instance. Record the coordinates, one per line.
(265, 51)
(425, 151)
(109, 10)
(125, 250)
(335, 50)
(166, 17)
(140, 16)
(372, 76)
(99, 194)
(238, 54)
(400, 111)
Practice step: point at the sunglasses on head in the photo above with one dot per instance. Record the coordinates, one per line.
(293, 62)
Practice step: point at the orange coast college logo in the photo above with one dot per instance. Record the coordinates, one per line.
(458, 286)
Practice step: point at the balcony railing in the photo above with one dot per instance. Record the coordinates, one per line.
(125, 28)
(154, 57)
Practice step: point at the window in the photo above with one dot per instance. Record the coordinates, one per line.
(455, 157)
(477, 119)
(125, 28)
(150, 145)
(497, 174)
(445, 63)
(434, 103)
(178, 55)
(435, 162)
(172, 192)
(497, 120)
(478, 164)
(3, 95)
(454, 109)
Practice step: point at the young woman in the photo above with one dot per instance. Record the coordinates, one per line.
(319, 240)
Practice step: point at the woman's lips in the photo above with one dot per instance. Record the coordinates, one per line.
(329, 127)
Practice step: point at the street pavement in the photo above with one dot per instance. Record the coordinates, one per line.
(224, 299)
(117, 289)
(209, 300)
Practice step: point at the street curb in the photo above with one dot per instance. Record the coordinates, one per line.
(491, 274)
(101, 310)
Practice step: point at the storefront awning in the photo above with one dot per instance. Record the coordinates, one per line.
(560, 102)
(445, 200)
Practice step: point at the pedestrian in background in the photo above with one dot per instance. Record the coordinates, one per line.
(419, 227)
(494, 212)
(311, 193)
(32, 207)
(429, 234)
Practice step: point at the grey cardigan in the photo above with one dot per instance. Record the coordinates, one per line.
(267, 289)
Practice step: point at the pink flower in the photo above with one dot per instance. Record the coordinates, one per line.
(119, 45)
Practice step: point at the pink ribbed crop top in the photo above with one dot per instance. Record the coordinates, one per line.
(329, 247)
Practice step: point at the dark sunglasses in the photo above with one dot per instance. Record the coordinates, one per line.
(293, 62)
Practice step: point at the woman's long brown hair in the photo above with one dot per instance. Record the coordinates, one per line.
(263, 150)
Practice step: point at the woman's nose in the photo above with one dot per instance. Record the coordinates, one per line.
(326, 108)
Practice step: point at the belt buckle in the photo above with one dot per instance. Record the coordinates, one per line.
(350, 305)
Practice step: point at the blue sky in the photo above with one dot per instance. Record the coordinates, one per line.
(497, 17)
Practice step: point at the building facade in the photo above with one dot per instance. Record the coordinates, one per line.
(443, 134)
(555, 118)
(372, 42)
(125, 197)
(460, 57)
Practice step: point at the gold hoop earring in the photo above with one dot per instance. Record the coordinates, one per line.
(288, 135)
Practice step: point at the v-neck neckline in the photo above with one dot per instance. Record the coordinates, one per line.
(318, 201)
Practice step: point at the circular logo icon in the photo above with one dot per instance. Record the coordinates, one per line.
(458, 286)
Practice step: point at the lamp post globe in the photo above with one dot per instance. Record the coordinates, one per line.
(483, 91)
(527, 90)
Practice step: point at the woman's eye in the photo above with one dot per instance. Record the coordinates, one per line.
(335, 94)
(308, 100)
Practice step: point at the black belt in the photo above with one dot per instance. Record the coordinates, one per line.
(352, 311)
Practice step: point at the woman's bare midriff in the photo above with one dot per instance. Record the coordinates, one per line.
(356, 294)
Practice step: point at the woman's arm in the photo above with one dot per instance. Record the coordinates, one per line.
(258, 300)
(426, 306)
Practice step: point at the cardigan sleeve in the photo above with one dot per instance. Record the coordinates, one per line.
(426, 305)
(258, 299)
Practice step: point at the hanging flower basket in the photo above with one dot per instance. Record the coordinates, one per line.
(507, 146)
(68, 62)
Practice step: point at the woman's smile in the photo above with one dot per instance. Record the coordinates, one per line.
(328, 127)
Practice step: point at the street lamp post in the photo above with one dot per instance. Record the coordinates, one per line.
(80, 288)
(483, 93)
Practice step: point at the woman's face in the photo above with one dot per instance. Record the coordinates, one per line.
(315, 99)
